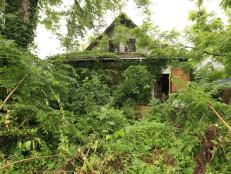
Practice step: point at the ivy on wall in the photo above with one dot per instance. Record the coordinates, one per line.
(19, 26)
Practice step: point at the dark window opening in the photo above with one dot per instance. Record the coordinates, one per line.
(131, 45)
(113, 47)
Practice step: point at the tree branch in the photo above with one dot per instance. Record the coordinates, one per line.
(213, 54)
(203, 51)
(28, 159)
(11, 93)
(219, 116)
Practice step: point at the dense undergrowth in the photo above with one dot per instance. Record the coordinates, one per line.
(61, 119)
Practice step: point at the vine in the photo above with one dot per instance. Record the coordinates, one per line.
(17, 27)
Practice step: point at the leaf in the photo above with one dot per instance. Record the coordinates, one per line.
(108, 137)
(120, 133)
(20, 145)
(112, 123)
(27, 145)
(189, 170)
(95, 145)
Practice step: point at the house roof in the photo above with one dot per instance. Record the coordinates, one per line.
(122, 18)
(226, 82)
(105, 56)
(97, 55)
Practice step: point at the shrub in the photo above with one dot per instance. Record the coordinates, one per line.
(136, 85)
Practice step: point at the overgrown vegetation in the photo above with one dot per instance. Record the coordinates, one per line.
(56, 118)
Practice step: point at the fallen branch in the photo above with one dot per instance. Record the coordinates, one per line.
(220, 118)
(11, 93)
(29, 159)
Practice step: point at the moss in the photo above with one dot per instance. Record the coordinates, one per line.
(72, 56)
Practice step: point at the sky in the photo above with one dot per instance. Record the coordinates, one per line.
(167, 14)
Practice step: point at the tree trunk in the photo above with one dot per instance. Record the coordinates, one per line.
(21, 17)
(26, 10)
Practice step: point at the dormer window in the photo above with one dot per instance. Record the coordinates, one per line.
(113, 47)
(121, 47)
(132, 45)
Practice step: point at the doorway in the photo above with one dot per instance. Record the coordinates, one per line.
(165, 84)
(161, 89)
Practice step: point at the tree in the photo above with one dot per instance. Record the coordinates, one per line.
(209, 36)
(225, 4)
(20, 17)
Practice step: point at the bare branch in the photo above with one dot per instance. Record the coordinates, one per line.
(29, 159)
(219, 116)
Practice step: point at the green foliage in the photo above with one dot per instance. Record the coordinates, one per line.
(208, 73)
(61, 118)
(81, 55)
(69, 112)
(189, 113)
(210, 37)
(90, 95)
(136, 85)
(21, 18)
(35, 109)
(85, 15)
(16, 27)
(226, 4)
(102, 123)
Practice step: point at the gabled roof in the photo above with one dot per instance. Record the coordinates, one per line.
(123, 19)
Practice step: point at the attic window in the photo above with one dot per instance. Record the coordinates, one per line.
(132, 45)
(113, 47)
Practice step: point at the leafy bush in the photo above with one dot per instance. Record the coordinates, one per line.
(62, 118)
(101, 123)
(136, 85)
(90, 95)
(156, 146)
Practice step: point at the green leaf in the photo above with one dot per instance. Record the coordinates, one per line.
(28, 145)
(108, 137)
(120, 133)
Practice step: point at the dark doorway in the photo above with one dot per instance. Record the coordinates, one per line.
(161, 89)
(165, 83)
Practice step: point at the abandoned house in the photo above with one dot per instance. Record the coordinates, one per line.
(119, 49)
